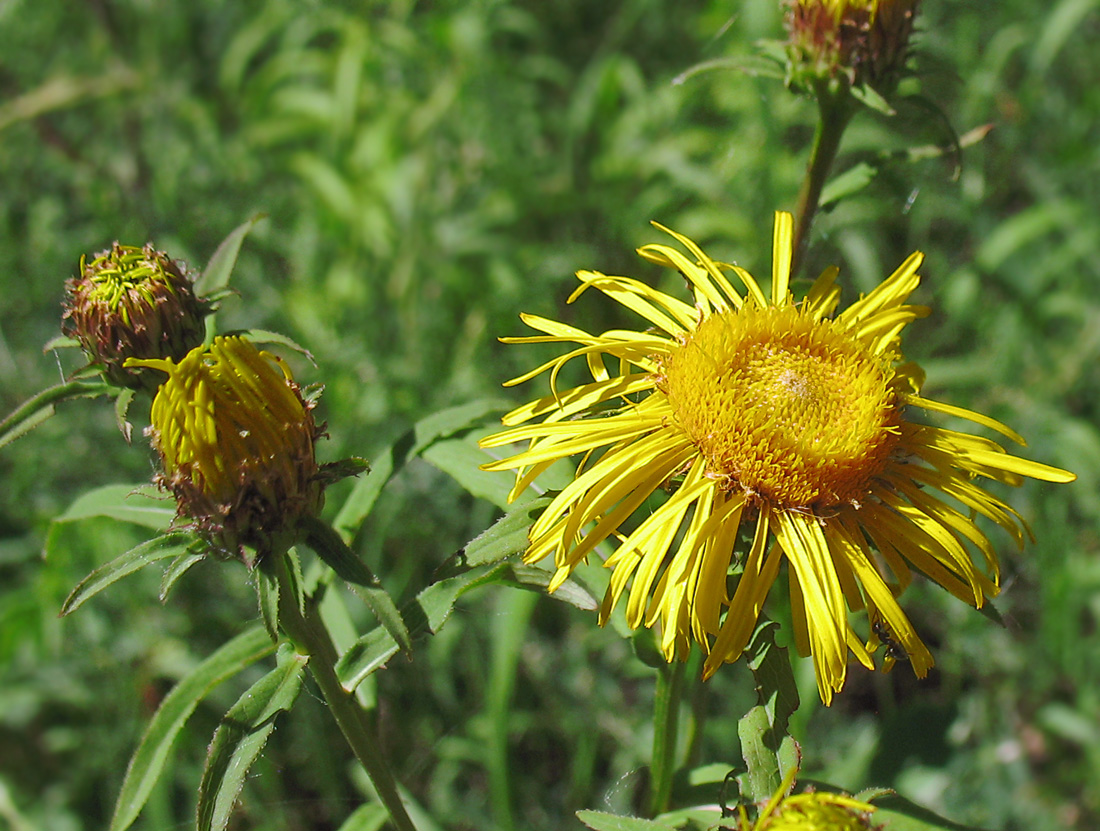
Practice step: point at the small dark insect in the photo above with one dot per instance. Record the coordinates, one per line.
(893, 649)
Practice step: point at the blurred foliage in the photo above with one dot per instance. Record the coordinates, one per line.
(430, 170)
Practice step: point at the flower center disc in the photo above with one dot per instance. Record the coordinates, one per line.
(794, 411)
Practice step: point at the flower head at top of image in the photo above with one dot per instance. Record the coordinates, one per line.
(863, 42)
(745, 428)
(131, 302)
(236, 442)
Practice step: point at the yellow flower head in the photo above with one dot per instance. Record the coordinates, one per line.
(236, 440)
(131, 302)
(862, 41)
(813, 811)
(757, 428)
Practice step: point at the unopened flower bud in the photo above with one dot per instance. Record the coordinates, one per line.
(131, 302)
(236, 440)
(861, 42)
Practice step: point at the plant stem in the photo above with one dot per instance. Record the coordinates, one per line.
(835, 108)
(666, 718)
(311, 638)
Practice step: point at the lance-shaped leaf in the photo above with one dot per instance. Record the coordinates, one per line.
(329, 546)
(159, 548)
(149, 758)
(215, 277)
(140, 504)
(384, 466)
(241, 736)
(40, 407)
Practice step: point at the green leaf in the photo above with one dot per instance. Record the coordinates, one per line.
(150, 551)
(322, 538)
(142, 505)
(423, 434)
(383, 607)
(149, 758)
(241, 736)
(534, 578)
(267, 596)
(179, 567)
(424, 616)
(848, 183)
(869, 97)
(369, 817)
(769, 752)
(506, 537)
(896, 813)
(265, 336)
(215, 276)
(599, 821)
(460, 458)
(40, 407)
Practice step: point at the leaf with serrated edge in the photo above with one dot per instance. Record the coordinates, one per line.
(241, 736)
(149, 758)
(424, 616)
(150, 551)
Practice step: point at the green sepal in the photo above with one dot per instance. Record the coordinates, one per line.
(342, 469)
(122, 410)
(241, 736)
(156, 744)
(159, 548)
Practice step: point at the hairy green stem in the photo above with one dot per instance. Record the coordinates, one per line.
(666, 718)
(311, 638)
(835, 108)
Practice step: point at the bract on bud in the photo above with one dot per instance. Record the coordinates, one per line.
(131, 302)
(860, 42)
(236, 440)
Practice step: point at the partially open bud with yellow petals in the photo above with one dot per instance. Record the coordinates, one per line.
(131, 302)
(860, 42)
(236, 440)
(811, 811)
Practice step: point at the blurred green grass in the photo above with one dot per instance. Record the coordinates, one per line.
(429, 171)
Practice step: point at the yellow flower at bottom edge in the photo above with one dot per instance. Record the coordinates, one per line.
(812, 811)
(236, 441)
(762, 413)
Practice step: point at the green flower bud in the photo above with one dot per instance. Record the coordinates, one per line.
(860, 42)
